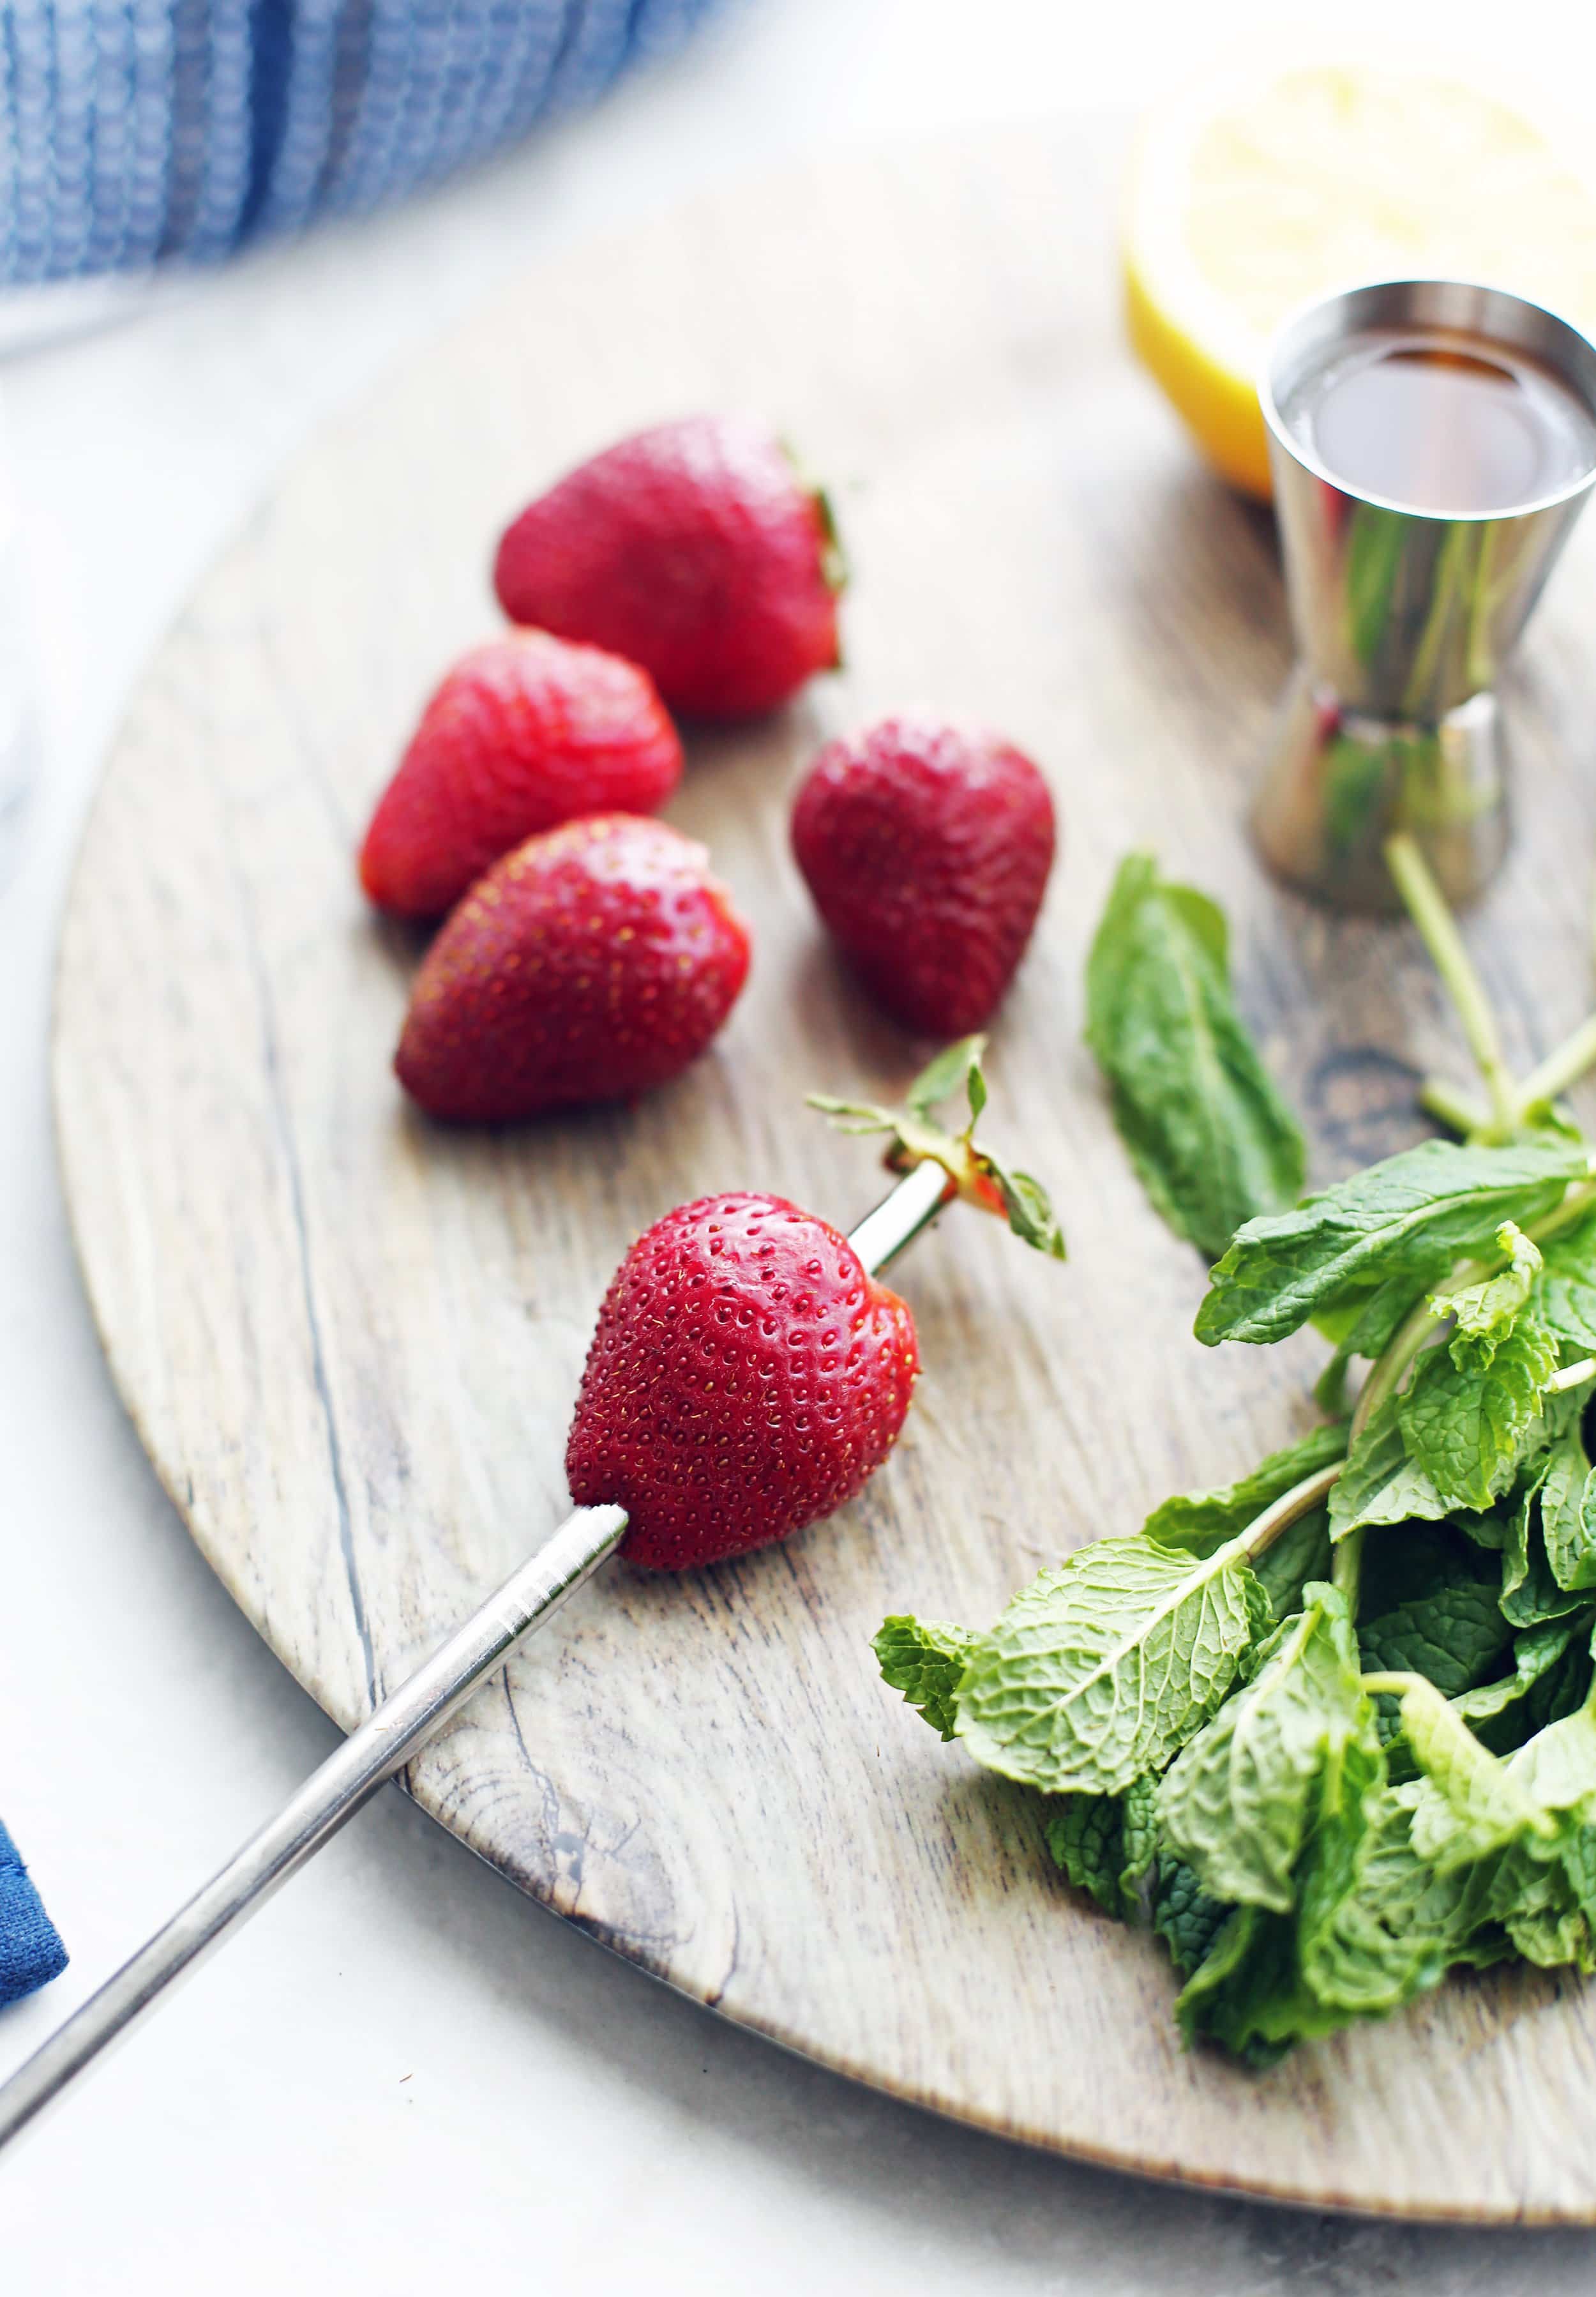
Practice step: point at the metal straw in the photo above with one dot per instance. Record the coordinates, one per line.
(382, 1744)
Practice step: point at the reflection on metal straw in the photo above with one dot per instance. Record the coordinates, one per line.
(1404, 619)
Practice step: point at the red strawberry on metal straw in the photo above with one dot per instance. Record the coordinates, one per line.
(748, 1376)
(725, 1443)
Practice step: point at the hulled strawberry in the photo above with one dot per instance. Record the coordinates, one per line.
(926, 847)
(747, 1377)
(695, 548)
(748, 1373)
(591, 964)
(525, 732)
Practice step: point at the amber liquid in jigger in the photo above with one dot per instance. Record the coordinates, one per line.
(1452, 425)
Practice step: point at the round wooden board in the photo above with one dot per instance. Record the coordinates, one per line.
(351, 1340)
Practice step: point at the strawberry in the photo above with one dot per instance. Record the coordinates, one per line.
(926, 848)
(591, 964)
(746, 1377)
(695, 549)
(524, 732)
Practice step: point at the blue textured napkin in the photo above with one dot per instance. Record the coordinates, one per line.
(30, 1952)
(133, 132)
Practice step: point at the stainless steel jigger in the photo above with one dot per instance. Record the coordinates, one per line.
(1404, 619)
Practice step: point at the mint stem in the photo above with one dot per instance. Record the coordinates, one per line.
(1426, 906)
(1562, 1067)
(1280, 1514)
(1452, 1107)
(1347, 1569)
(1574, 1206)
(1386, 1375)
(1397, 1683)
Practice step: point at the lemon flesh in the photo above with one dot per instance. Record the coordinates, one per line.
(1249, 198)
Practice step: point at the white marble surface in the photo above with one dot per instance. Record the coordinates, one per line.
(403, 2071)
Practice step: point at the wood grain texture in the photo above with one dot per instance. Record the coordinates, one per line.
(351, 1340)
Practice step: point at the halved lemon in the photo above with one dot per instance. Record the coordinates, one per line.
(1250, 194)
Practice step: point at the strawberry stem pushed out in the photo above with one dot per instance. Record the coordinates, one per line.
(979, 1177)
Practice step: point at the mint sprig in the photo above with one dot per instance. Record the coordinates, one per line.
(1329, 1729)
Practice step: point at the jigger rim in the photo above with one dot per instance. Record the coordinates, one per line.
(1502, 314)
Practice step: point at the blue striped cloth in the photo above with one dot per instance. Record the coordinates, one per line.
(30, 1952)
(133, 132)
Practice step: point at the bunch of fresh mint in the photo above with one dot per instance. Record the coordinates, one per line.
(1330, 1730)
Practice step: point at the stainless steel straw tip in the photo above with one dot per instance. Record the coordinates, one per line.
(1432, 443)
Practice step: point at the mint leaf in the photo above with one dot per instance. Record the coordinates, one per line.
(1223, 1999)
(1375, 1926)
(1085, 1835)
(1363, 1319)
(1568, 1513)
(1201, 1521)
(1551, 1918)
(1360, 1324)
(1535, 1653)
(1302, 1552)
(1542, 1889)
(1380, 1483)
(1184, 1916)
(1393, 1934)
(1471, 1803)
(1564, 1296)
(1465, 1417)
(1211, 1140)
(1486, 1313)
(1530, 1592)
(1329, 1390)
(1256, 1993)
(1542, 1915)
(1521, 1833)
(1237, 1802)
(1373, 1954)
(1556, 1769)
(1138, 1805)
(1107, 1844)
(1492, 1532)
(924, 1658)
(1435, 1610)
(1409, 1218)
(1102, 1668)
